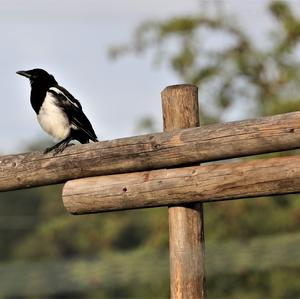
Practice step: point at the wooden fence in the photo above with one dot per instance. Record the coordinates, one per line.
(163, 169)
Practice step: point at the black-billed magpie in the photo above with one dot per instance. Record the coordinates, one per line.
(58, 112)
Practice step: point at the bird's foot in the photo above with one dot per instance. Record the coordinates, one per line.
(49, 149)
(58, 148)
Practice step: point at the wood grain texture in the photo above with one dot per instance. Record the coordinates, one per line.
(165, 187)
(152, 151)
(186, 235)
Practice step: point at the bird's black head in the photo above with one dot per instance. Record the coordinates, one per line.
(38, 76)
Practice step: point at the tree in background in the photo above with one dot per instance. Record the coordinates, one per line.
(217, 55)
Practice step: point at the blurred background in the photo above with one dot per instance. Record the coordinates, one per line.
(116, 57)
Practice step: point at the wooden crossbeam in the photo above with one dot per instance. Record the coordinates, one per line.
(167, 187)
(152, 151)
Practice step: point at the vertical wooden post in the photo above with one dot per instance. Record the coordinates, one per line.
(186, 234)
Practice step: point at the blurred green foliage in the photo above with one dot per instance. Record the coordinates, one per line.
(229, 67)
(252, 248)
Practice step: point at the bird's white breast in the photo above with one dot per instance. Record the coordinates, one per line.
(52, 119)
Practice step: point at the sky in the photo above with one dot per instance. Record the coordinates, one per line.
(70, 39)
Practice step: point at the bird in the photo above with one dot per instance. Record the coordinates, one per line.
(58, 112)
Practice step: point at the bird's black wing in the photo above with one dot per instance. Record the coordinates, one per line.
(73, 109)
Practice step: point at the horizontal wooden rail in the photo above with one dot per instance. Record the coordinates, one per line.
(183, 185)
(152, 151)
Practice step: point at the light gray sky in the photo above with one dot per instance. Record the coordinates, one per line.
(70, 38)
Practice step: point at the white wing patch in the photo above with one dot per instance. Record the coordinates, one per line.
(52, 119)
(60, 92)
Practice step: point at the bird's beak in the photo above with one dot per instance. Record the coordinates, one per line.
(24, 73)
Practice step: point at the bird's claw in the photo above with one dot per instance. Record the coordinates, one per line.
(57, 148)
